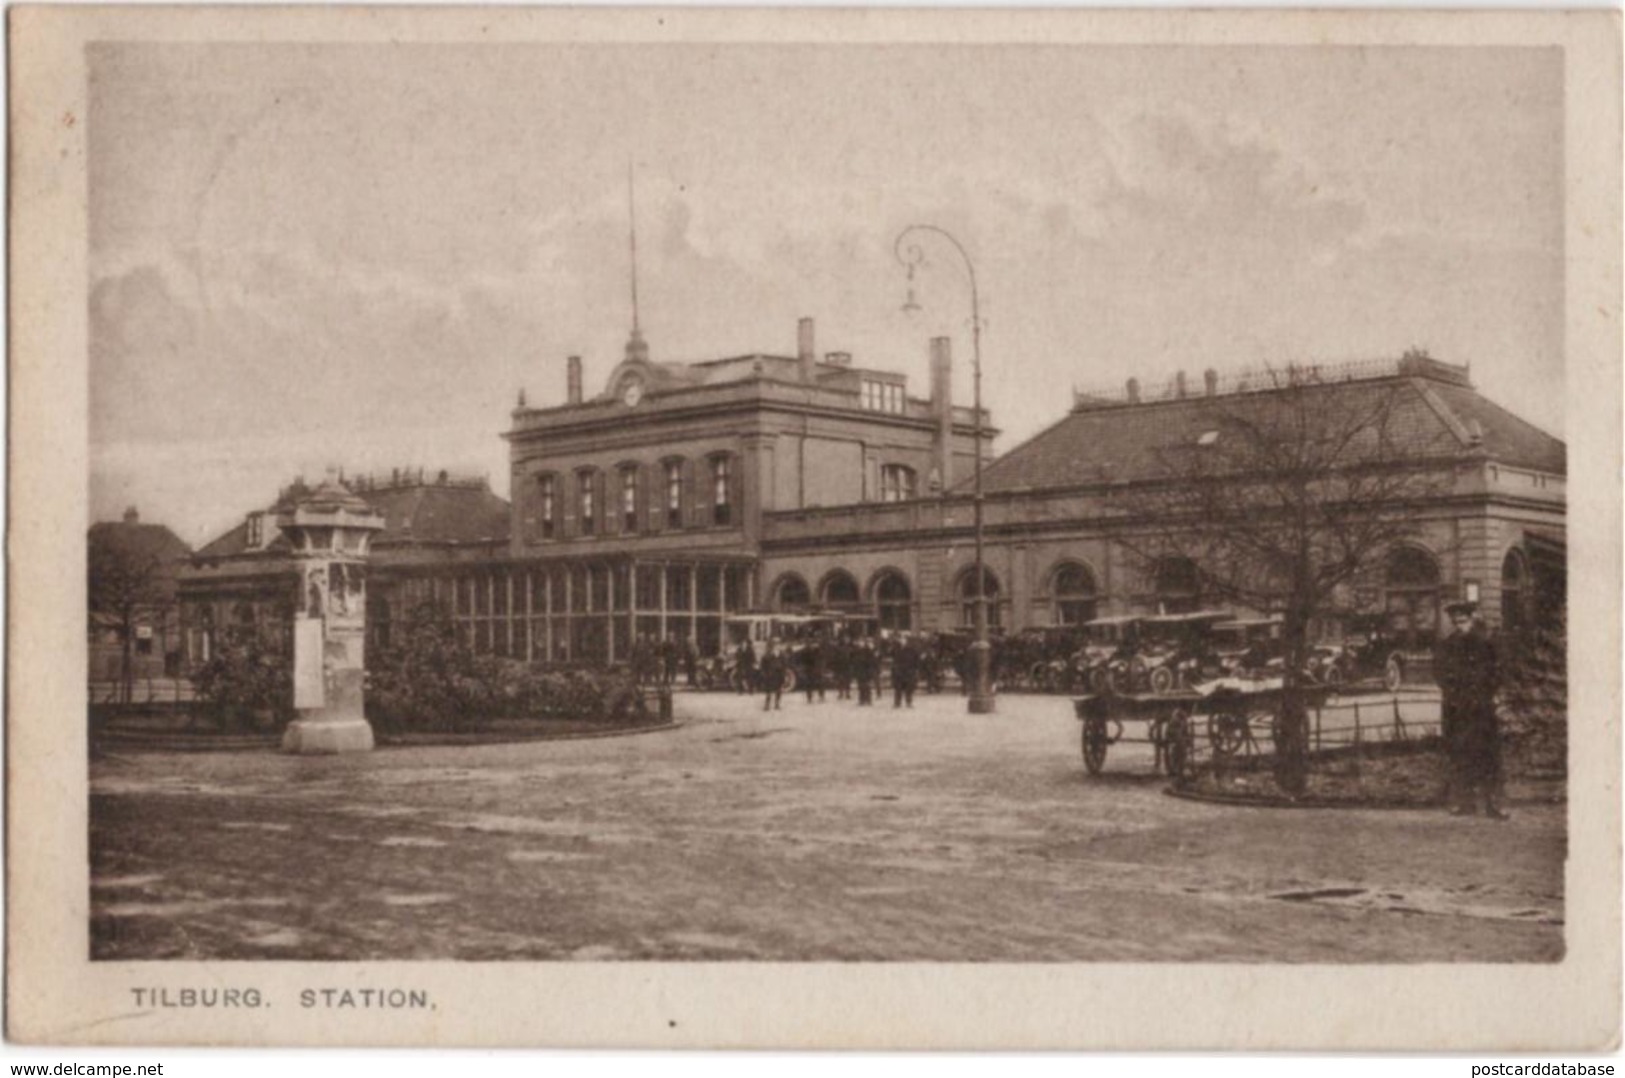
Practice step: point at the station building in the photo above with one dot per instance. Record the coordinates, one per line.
(681, 493)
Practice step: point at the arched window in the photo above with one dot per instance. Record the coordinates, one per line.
(722, 496)
(840, 591)
(1072, 588)
(673, 470)
(894, 601)
(792, 594)
(546, 495)
(629, 497)
(587, 495)
(1411, 597)
(897, 483)
(967, 597)
(1514, 592)
(1177, 585)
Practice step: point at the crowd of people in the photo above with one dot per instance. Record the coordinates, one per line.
(850, 666)
(842, 664)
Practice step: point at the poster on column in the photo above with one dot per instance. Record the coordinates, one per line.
(309, 690)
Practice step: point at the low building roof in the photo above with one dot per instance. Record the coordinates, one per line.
(138, 544)
(1122, 440)
(427, 512)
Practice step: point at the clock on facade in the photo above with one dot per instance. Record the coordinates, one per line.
(631, 393)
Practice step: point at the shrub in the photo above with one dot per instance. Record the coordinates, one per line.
(1534, 702)
(428, 680)
(243, 682)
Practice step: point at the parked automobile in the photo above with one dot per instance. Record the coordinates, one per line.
(1370, 651)
(1251, 646)
(1177, 651)
(1109, 645)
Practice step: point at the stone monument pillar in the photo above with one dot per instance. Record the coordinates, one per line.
(329, 529)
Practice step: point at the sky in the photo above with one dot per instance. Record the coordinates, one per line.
(308, 256)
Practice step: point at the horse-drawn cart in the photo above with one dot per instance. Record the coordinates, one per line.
(1224, 718)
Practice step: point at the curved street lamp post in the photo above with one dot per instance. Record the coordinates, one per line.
(912, 257)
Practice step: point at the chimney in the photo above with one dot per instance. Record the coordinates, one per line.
(131, 516)
(1179, 385)
(1210, 381)
(804, 348)
(1134, 391)
(942, 410)
(572, 381)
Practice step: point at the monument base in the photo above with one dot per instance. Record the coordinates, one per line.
(328, 735)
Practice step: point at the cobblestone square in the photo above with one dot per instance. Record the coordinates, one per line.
(821, 832)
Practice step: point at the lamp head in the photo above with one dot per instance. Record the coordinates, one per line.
(911, 306)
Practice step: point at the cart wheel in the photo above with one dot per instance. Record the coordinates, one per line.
(1393, 675)
(1162, 680)
(1099, 683)
(1176, 748)
(1118, 681)
(1227, 732)
(1095, 743)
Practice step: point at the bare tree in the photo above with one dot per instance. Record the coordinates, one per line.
(1284, 498)
(127, 584)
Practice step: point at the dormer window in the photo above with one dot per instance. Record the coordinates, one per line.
(256, 530)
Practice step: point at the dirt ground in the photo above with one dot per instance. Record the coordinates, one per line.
(814, 833)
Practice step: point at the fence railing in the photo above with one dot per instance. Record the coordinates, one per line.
(143, 692)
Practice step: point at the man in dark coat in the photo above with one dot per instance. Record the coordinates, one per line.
(812, 668)
(865, 667)
(772, 677)
(668, 660)
(1465, 666)
(745, 659)
(905, 673)
(840, 667)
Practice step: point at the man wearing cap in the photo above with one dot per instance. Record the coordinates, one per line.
(1465, 666)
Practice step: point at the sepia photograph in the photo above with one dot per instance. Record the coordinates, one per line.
(748, 505)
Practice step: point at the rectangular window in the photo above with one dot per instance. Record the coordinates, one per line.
(674, 494)
(629, 499)
(883, 396)
(896, 483)
(721, 484)
(584, 480)
(546, 486)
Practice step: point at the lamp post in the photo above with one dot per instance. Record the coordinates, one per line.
(912, 256)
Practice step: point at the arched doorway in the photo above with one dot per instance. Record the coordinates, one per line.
(1176, 585)
(894, 601)
(839, 591)
(1072, 594)
(967, 598)
(1411, 597)
(792, 594)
